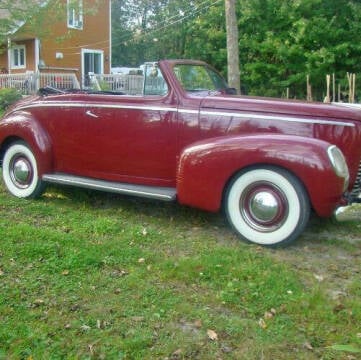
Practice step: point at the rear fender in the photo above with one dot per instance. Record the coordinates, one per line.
(206, 167)
(23, 126)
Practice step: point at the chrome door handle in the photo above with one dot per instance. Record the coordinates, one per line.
(91, 114)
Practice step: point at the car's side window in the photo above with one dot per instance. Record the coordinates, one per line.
(154, 83)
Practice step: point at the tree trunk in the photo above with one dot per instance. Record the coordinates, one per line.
(232, 45)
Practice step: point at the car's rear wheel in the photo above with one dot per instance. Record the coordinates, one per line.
(267, 206)
(20, 171)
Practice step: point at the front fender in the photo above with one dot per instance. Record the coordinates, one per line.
(206, 167)
(21, 125)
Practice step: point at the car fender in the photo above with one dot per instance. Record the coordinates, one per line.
(206, 167)
(21, 125)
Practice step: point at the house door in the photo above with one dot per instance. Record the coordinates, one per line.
(92, 63)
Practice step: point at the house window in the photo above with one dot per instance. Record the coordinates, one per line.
(75, 14)
(18, 57)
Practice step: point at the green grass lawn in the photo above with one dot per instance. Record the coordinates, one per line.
(89, 275)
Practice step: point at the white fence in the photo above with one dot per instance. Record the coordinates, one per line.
(29, 83)
(127, 84)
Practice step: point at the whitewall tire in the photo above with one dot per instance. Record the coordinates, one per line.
(20, 171)
(267, 206)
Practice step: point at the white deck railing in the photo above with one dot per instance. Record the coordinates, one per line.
(29, 83)
(127, 84)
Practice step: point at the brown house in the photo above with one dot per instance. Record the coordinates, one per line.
(71, 36)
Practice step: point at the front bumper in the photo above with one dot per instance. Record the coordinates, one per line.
(348, 213)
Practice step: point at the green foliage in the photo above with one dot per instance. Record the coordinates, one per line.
(281, 42)
(7, 97)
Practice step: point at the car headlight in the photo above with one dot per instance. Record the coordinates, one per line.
(339, 163)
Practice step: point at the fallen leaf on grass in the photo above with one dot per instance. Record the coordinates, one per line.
(262, 324)
(102, 324)
(212, 335)
(319, 278)
(91, 349)
(226, 349)
(39, 302)
(85, 328)
(119, 273)
(177, 354)
(270, 314)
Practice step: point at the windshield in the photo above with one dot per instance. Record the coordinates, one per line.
(195, 78)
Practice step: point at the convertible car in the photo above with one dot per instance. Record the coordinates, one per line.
(186, 136)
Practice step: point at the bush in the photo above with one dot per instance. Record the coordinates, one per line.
(8, 97)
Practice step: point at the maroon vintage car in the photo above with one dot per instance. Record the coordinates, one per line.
(187, 137)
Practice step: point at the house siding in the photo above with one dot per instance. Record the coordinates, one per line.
(95, 35)
(60, 46)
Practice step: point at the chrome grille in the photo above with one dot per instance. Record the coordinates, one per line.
(356, 190)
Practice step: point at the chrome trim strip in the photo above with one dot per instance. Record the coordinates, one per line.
(97, 105)
(277, 118)
(185, 111)
(153, 192)
(348, 105)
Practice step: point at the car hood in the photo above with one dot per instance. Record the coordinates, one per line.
(272, 106)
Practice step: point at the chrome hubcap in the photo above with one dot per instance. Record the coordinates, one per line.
(21, 172)
(264, 207)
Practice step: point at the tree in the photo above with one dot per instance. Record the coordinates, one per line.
(170, 29)
(14, 14)
(232, 45)
(280, 41)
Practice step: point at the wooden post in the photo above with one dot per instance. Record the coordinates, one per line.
(351, 87)
(308, 89)
(232, 45)
(328, 81)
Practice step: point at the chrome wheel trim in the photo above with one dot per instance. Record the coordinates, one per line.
(21, 172)
(264, 206)
(17, 162)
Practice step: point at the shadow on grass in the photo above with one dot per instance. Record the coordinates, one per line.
(319, 231)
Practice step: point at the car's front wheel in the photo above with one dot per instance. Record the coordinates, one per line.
(267, 206)
(20, 171)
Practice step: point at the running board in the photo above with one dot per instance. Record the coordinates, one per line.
(153, 192)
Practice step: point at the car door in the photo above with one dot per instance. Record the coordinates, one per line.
(130, 139)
